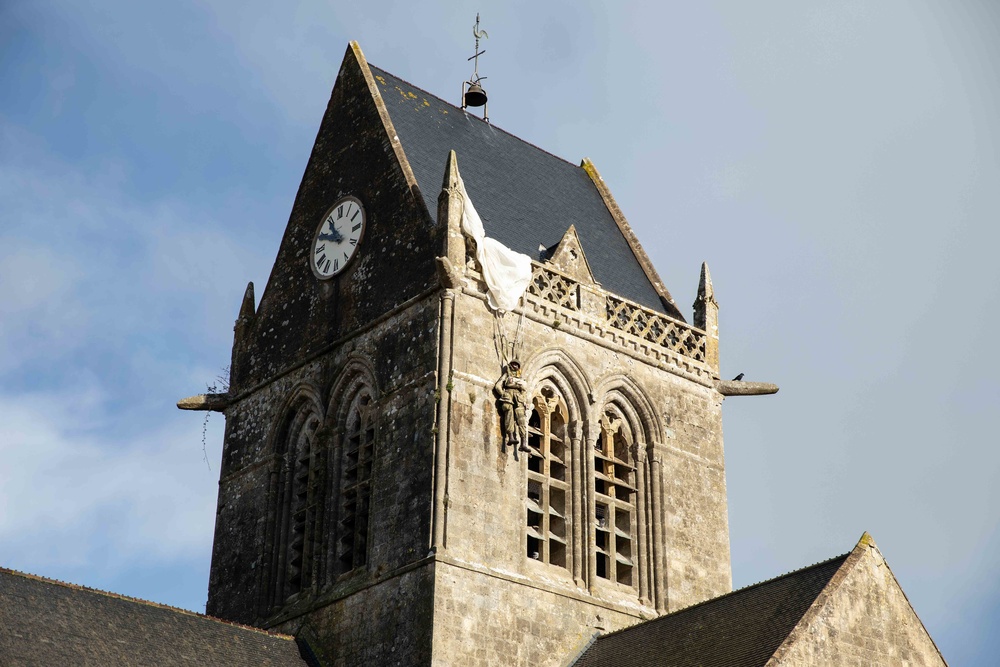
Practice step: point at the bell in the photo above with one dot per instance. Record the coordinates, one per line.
(475, 96)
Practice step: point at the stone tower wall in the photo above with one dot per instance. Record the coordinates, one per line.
(487, 587)
(389, 624)
(448, 555)
(484, 620)
(377, 320)
(299, 316)
(400, 353)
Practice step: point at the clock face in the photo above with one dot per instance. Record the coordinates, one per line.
(338, 236)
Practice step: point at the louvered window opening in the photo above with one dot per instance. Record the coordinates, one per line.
(355, 488)
(614, 501)
(548, 481)
(297, 504)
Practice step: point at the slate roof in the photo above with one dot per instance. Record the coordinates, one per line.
(525, 196)
(741, 629)
(45, 622)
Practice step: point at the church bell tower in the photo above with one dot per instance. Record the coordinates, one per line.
(370, 501)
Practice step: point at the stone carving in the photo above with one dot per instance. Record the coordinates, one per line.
(511, 392)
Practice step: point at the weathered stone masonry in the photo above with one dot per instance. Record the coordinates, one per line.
(364, 499)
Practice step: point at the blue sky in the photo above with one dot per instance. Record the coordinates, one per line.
(835, 163)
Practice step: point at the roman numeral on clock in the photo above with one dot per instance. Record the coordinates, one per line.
(338, 237)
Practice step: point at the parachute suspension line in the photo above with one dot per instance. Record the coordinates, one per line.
(498, 337)
(515, 346)
(507, 350)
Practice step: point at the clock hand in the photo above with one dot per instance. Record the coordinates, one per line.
(334, 235)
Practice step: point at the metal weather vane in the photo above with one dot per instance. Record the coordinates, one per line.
(475, 95)
(478, 34)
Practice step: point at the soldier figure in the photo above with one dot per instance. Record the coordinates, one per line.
(510, 391)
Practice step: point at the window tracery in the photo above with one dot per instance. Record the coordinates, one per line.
(614, 499)
(297, 501)
(548, 481)
(357, 459)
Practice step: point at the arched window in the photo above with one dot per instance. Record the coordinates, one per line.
(614, 499)
(548, 480)
(297, 502)
(357, 458)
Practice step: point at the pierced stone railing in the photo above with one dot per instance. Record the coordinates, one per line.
(554, 297)
(593, 309)
(655, 328)
(554, 287)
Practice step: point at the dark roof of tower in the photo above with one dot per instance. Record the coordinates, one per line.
(47, 622)
(741, 629)
(526, 196)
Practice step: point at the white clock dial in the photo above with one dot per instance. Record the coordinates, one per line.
(338, 237)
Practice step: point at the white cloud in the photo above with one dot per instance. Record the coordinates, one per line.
(39, 311)
(100, 469)
(74, 498)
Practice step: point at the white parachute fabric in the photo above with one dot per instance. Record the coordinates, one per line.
(507, 273)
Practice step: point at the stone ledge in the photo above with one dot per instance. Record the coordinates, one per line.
(544, 313)
(580, 595)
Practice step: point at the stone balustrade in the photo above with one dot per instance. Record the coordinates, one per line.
(552, 296)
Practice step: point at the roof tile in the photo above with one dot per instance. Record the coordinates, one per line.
(47, 622)
(526, 196)
(740, 629)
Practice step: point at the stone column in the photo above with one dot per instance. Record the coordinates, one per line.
(442, 423)
(451, 268)
(588, 508)
(641, 556)
(265, 574)
(577, 504)
(659, 533)
(319, 484)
